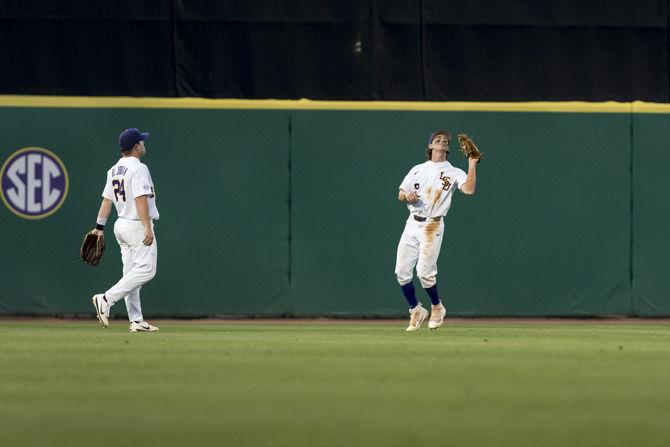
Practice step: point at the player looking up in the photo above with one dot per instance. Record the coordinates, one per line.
(428, 189)
(130, 188)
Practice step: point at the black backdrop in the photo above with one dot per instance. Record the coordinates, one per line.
(436, 50)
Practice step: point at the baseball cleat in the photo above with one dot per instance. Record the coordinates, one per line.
(437, 314)
(142, 326)
(416, 317)
(101, 309)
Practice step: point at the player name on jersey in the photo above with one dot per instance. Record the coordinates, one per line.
(119, 170)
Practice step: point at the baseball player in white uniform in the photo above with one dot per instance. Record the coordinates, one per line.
(130, 188)
(428, 189)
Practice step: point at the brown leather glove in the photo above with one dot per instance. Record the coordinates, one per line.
(468, 147)
(92, 247)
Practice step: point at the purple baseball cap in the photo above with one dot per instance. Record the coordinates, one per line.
(444, 132)
(130, 137)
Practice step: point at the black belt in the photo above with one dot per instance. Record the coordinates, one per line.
(423, 219)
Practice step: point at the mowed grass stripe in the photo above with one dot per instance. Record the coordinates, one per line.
(257, 384)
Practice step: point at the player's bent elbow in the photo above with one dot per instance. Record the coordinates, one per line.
(468, 191)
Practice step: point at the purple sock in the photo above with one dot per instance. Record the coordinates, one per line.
(410, 294)
(432, 293)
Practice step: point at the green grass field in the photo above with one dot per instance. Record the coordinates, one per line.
(334, 384)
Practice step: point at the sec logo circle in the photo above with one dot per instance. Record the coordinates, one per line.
(34, 183)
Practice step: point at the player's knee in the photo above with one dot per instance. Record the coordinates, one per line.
(404, 280)
(146, 272)
(427, 279)
(150, 273)
(403, 277)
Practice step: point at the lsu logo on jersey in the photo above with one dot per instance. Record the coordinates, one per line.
(34, 183)
(446, 181)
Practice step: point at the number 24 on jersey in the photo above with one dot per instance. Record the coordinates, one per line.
(119, 190)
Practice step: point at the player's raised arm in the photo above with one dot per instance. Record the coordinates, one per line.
(470, 183)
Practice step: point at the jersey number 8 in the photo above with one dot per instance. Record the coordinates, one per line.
(119, 190)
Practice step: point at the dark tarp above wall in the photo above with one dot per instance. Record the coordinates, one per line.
(435, 50)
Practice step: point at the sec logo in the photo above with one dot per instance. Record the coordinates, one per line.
(34, 183)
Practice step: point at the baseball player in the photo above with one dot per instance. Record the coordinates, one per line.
(130, 188)
(428, 189)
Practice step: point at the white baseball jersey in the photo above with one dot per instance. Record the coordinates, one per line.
(435, 183)
(128, 179)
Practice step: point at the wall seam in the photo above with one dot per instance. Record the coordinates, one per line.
(631, 258)
(289, 205)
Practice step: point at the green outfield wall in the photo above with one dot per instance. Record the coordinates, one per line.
(289, 208)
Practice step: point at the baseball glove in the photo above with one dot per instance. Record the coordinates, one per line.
(468, 147)
(92, 247)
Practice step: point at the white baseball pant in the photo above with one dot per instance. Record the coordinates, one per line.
(139, 266)
(419, 246)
